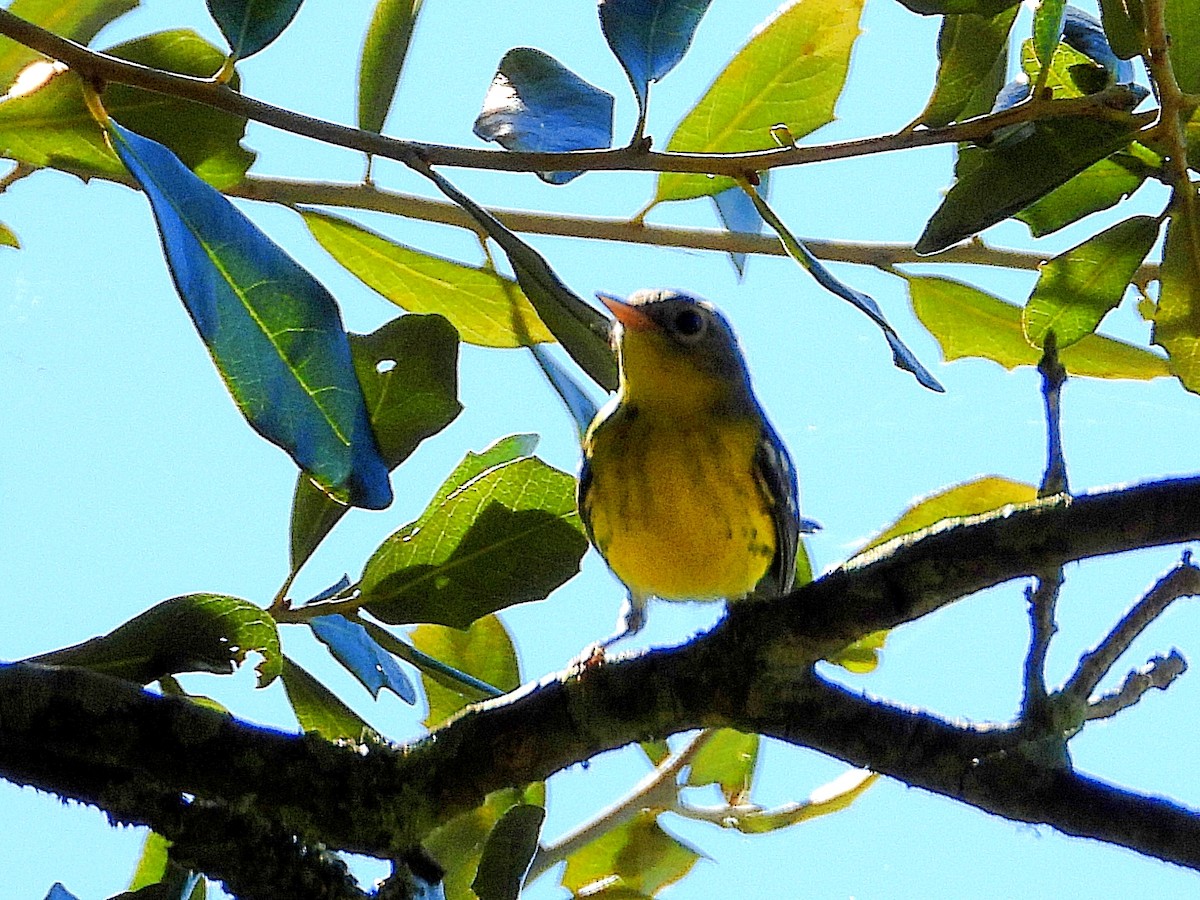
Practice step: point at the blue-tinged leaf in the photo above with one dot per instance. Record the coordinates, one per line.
(249, 25)
(58, 892)
(579, 403)
(273, 330)
(1084, 33)
(738, 215)
(332, 591)
(649, 38)
(902, 357)
(367, 661)
(537, 104)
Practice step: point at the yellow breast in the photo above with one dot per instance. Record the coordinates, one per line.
(674, 504)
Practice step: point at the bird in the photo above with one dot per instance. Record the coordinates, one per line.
(686, 489)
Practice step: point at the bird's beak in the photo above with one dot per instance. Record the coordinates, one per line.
(631, 317)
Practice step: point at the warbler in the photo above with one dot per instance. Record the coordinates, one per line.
(685, 488)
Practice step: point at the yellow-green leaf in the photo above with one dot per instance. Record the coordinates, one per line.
(484, 651)
(968, 322)
(639, 855)
(1177, 322)
(791, 72)
(486, 308)
(833, 797)
(862, 656)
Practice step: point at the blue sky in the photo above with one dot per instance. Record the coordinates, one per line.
(129, 476)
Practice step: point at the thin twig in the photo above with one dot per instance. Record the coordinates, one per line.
(1160, 672)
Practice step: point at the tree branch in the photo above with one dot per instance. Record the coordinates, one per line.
(90, 737)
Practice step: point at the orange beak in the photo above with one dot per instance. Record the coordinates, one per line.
(631, 317)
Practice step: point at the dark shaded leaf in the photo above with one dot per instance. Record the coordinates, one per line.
(408, 370)
(970, 47)
(944, 7)
(318, 709)
(508, 852)
(510, 535)
(1005, 180)
(537, 104)
(1077, 288)
(578, 402)
(639, 855)
(727, 759)
(649, 38)
(384, 50)
(484, 651)
(192, 633)
(273, 330)
(373, 666)
(791, 72)
(487, 309)
(78, 21)
(250, 25)
(1125, 25)
(1100, 186)
(1177, 320)
(582, 330)
(968, 322)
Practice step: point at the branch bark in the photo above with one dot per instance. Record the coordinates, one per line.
(109, 743)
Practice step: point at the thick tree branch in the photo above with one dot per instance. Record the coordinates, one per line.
(1113, 103)
(97, 739)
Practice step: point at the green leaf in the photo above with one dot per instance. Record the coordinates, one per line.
(319, 710)
(1047, 28)
(508, 852)
(52, 126)
(944, 7)
(862, 656)
(1182, 18)
(408, 370)
(727, 759)
(157, 877)
(1077, 288)
(1125, 25)
(1100, 186)
(969, 49)
(484, 651)
(511, 535)
(971, 498)
(152, 864)
(1005, 180)
(791, 72)
(250, 25)
(458, 845)
(192, 633)
(1177, 321)
(384, 50)
(833, 797)
(968, 322)
(638, 855)
(488, 309)
(77, 20)
(8, 237)
(1071, 73)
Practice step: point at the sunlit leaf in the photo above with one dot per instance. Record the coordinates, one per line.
(581, 329)
(385, 48)
(408, 370)
(510, 535)
(1007, 179)
(1125, 25)
(1177, 321)
(192, 633)
(649, 38)
(1182, 20)
(971, 498)
(833, 797)
(156, 877)
(273, 330)
(508, 852)
(250, 25)
(791, 72)
(862, 656)
(486, 308)
(1077, 288)
(8, 237)
(639, 855)
(318, 709)
(727, 759)
(484, 651)
(1100, 186)
(373, 666)
(1048, 20)
(77, 20)
(969, 49)
(537, 104)
(968, 322)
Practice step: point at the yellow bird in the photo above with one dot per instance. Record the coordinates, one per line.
(686, 490)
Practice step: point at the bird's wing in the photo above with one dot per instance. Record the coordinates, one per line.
(776, 475)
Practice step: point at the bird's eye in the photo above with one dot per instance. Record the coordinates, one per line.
(689, 323)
